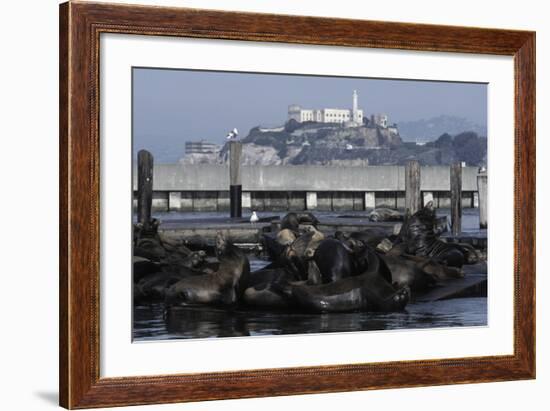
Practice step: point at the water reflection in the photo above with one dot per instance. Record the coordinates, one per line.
(207, 322)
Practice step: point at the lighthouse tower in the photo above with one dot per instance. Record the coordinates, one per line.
(355, 109)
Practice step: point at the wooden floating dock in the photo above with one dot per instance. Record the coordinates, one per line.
(202, 232)
(474, 284)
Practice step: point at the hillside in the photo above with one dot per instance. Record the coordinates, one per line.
(333, 144)
(425, 130)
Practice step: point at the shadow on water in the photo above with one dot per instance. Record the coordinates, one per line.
(208, 322)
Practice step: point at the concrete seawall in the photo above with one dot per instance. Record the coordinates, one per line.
(205, 187)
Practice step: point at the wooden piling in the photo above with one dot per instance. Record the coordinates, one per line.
(482, 198)
(145, 188)
(412, 187)
(456, 197)
(235, 183)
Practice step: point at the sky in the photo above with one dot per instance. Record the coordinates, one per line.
(172, 106)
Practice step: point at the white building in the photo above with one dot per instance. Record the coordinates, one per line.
(380, 120)
(350, 117)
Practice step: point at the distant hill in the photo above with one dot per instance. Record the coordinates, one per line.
(430, 129)
(316, 143)
(333, 144)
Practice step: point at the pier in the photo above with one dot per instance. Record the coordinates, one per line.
(206, 187)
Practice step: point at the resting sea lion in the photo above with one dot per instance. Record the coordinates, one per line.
(406, 272)
(295, 256)
(334, 260)
(265, 296)
(370, 236)
(153, 287)
(440, 272)
(175, 262)
(365, 292)
(286, 237)
(272, 247)
(307, 218)
(269, 275)
(292, 221)
(385, 214)
(223, 287)
(142, 267)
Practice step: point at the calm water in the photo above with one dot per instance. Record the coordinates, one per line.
(150, 323)
(182, 323)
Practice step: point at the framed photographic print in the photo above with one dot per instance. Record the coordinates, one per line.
(258, 205)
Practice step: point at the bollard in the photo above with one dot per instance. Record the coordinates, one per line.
(235, 184)
(145, 188)
(456, 198)
(412, 186)
(482, 198)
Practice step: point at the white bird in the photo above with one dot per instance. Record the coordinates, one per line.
(349, 147)
(232, 134)
(254, 217)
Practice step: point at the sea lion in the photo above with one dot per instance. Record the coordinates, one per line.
(292, 221)
(153, 287)
(265, 286)
(269, 275)
(265, 296)
(420, 238)
(370, 236)
(307, 218)
(314, 241)
(367, 260)
(175, 261)
(365, 292)
(223, 287)
(314, 276)
(385, 214)
(334, 260)
(352, 245)
(406, 272)
(271, 246)
(440, 272)
(285, 237)
(295, 256)
(147, 242)
(142, 267)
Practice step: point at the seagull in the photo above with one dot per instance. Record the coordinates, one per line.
(232, 134)
(254, 217)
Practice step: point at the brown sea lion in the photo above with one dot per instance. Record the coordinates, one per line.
(153, 287)
(334, 260)
(223, 287)
(406, 272)
(285, 237)
(385, 214)
(175, 261)
(365, 292)
(418, 234)
(292, 221)
(142, 267)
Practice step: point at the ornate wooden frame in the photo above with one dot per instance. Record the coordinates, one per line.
(80, 27)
